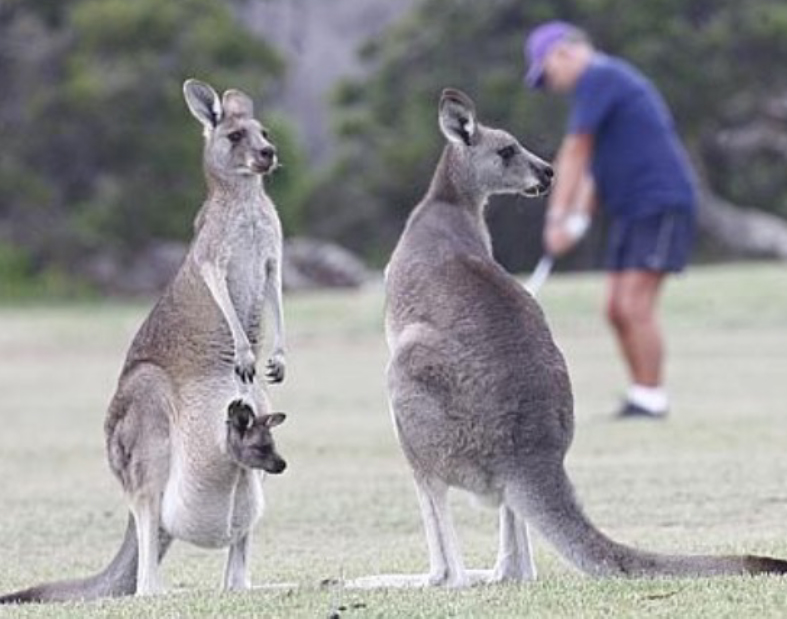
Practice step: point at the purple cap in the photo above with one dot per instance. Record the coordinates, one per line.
(538, 45)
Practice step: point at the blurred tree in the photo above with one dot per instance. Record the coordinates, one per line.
(716, 61)
(99, 149)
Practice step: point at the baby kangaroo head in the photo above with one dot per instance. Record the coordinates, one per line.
(249, 438)
(489, 161)
(235, 143)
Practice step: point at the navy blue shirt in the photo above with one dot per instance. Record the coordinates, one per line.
(639, 164)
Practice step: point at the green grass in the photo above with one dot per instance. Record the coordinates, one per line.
(712, 479)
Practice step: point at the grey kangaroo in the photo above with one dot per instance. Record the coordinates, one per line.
(188, 427)
(479, 392)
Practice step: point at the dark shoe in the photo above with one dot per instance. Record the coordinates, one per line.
(630, 410)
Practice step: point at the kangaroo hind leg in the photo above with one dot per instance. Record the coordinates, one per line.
(138, 441)
(236, 572)
(515, 553)
(446, 567)
(146, 512)
(445, 560)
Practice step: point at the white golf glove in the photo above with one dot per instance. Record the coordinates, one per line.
(577, 224)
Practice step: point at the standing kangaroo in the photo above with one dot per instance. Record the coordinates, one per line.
(188, 424)
(479, 391)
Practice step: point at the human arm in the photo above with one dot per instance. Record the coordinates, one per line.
(572, 200)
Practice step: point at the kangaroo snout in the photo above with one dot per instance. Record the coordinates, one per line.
(543, 174)
(264, 159)
(275, 467)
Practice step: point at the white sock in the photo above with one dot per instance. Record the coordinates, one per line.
(652, 399)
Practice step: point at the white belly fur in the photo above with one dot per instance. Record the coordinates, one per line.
(209, 500)
(214, 514)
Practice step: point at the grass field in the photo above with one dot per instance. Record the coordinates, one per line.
(711, 479)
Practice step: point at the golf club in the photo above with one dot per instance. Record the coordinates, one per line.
(540, 274)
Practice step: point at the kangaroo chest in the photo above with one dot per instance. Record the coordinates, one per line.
(255, 248)
(211, 513)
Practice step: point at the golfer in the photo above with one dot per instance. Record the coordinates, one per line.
(621, 152)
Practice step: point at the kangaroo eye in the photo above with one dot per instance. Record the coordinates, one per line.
(266, 134)
(507, 152)
(235, 136)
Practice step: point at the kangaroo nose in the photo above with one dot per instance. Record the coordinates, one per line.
(545, 174)
(267, 152)
(276, 467)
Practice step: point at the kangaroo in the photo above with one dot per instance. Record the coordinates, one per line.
(249, 439)
(188, 426)
(479, 392)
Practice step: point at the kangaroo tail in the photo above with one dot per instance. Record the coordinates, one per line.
(117, 579)
(554, 510)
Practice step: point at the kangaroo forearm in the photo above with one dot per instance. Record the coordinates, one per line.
(276, 301)
(273, 296)
(216, 283)
(279, 340)
(278, 323)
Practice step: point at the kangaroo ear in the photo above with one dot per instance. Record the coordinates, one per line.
(240, 415)
(237, 104)
(203, 102)
(457, 117)
(275, 419)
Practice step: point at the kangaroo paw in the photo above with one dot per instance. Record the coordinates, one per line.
(275, 369)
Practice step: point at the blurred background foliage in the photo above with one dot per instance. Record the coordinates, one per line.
(99, 153)
(99, 150)
(717, 63)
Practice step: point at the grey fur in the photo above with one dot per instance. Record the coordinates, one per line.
(479, 391)
(187, 466)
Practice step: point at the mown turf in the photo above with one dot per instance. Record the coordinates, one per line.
(711, 479)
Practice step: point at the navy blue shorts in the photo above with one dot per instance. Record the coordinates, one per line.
(660, 242)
